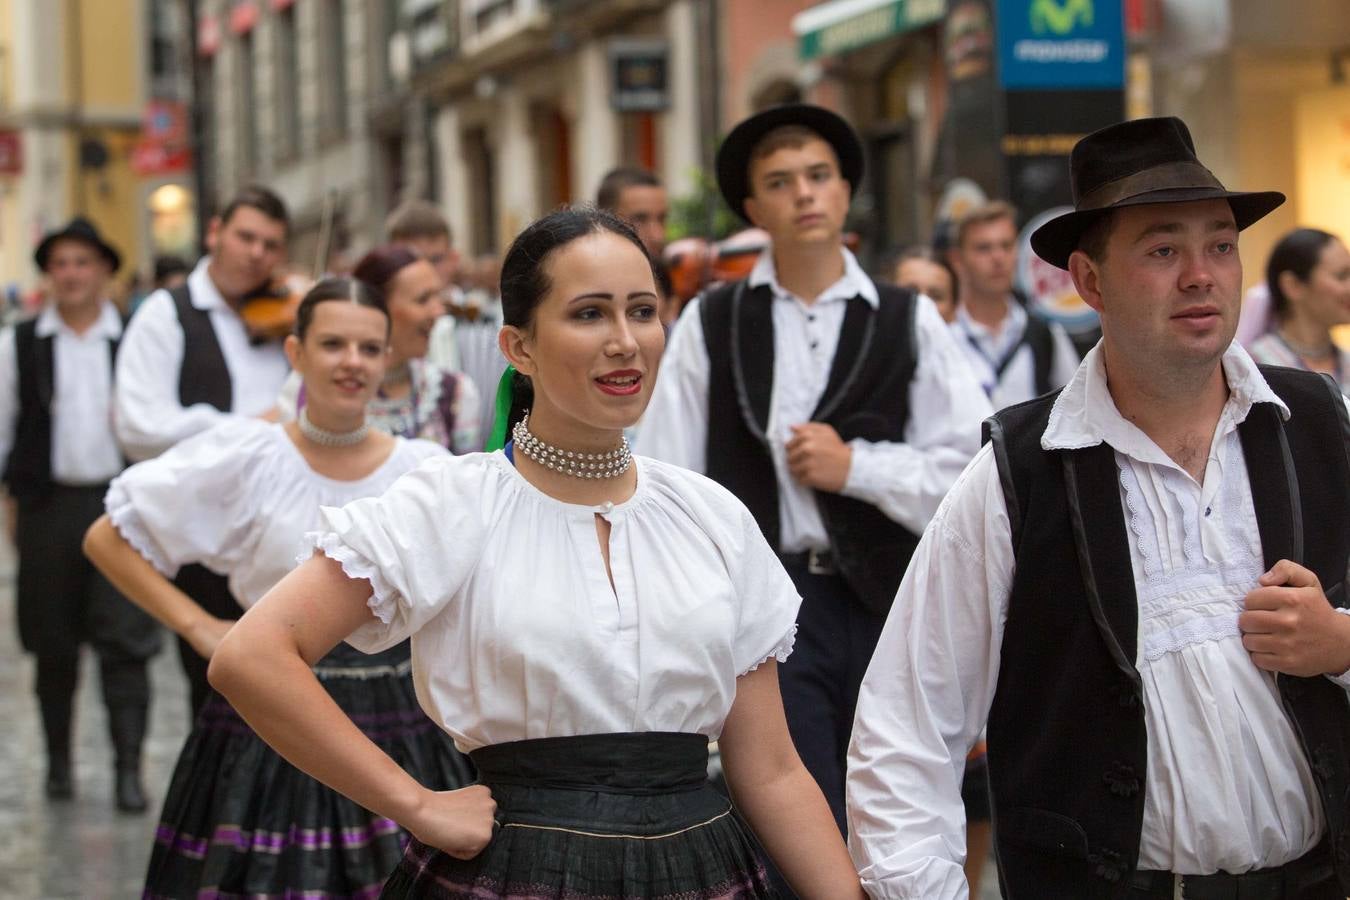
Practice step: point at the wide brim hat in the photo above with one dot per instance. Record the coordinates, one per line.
(77, 229)
(1131, 164)
(733, 157)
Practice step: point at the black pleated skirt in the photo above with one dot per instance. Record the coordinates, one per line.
(598, 817)
(239, 821)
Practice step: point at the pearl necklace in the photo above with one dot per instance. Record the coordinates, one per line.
(325, 438)
(569, 462)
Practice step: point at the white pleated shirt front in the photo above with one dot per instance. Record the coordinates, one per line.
(516, 630)
(1228, 787)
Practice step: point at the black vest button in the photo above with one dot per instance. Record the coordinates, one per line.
(1121, 779)
(1107, 864)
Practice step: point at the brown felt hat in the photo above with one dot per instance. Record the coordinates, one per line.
(1131, 164)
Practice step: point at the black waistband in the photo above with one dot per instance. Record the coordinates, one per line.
(1276, 883)
(631, 763)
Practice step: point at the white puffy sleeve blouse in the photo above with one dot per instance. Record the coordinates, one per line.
(517, 632)
(239, 499)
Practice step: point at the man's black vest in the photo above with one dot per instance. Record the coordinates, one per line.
(1067, 740)
(867, 397)
(28, 471)
(204, 377)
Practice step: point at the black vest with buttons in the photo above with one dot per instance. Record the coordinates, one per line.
(28, 471)
(1067, 740)
(866, 396)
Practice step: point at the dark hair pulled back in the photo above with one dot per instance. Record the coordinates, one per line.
(351, 290)
(1297, 252)
(525, 281)
(378, 267)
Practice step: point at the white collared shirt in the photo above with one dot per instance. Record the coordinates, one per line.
(985, 349)
(83, 449)
(150, 419)
(905, 480)
(1227, 787)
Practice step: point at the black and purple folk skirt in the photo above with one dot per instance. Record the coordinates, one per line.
(598, 817)
(239, 821)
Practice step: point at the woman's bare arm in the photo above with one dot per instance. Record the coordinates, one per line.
(778, 797)
(263, 667)
(143, 585)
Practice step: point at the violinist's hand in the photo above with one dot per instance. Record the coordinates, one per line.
(272, 415)
(457, 822)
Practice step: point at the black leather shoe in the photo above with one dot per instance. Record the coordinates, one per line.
(130, 794)
(60, 785)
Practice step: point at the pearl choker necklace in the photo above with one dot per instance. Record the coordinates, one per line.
(569, 462)
(325, 438)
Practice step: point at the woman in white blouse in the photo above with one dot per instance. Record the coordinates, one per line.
(238, 819)
(582, 623)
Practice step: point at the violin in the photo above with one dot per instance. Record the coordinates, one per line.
(696, 263)
(269, 311)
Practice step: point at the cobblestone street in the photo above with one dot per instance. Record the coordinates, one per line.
(82, 848)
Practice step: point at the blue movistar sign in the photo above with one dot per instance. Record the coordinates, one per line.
(1072, 44)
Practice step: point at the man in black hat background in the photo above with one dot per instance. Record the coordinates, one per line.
(838, 410)
(189, 362)
(1128, 583)
(59, 453)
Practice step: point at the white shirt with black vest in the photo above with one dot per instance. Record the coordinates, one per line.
(84, 451)
(987, 350)
(906, 481)
(149, 417)
(1228, 787)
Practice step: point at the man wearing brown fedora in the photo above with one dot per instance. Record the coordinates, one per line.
(838, 410)
(1137, 583)
(59, 453)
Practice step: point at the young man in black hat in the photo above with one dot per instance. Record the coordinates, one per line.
(59, 453)
(1127, 582)
(840, 411)
(189, 362)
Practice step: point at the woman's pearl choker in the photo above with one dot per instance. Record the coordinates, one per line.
(325, 438)
(569, 462)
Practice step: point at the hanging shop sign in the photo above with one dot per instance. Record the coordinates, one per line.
(639, 74)
(1061, 44)
(841, 26)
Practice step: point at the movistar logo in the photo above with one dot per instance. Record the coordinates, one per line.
(1060, 16)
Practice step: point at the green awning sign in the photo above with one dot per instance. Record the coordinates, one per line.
(840, 26)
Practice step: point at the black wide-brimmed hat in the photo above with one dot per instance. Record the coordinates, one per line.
(77, 229)
(733, 157)
(1133, 163)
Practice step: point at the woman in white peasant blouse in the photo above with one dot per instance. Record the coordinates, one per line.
(582, 624)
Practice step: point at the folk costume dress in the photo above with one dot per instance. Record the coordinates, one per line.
(239, 820)
(586, 705)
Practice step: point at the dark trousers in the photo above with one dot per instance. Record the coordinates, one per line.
(835, 639)
(63, 601)
(212, 593)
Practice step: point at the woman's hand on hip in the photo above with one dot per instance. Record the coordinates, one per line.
(456, 822)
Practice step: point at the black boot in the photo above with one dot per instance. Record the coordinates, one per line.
(126, 723)
(56, 725)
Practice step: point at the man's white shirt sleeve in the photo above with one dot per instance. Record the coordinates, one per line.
(675, 426)
(926, 697)
(9, 394)
(908, 480)
(148, 417)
